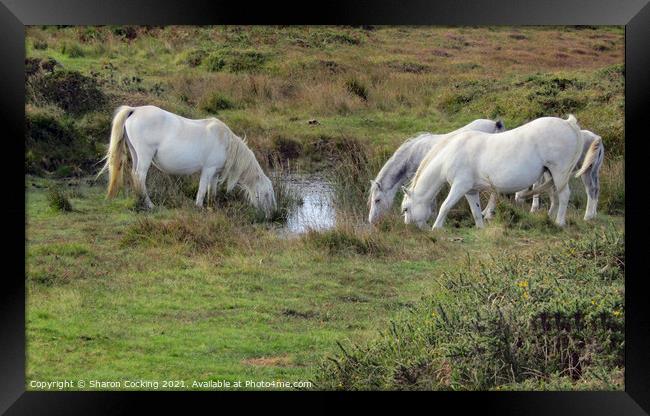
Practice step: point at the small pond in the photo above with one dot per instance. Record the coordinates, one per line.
(317, 209)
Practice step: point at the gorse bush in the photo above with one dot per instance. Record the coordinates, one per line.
(70, 90)
(513, 320)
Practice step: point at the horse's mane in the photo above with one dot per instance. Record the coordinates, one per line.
(241, 167)
(401, 155)
(432, 153)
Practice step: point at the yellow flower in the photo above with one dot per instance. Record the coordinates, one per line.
(617, 312)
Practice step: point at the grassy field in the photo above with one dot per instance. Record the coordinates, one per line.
(181, 294)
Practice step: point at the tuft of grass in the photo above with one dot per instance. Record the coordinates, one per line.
(612, 187)
(346, 241)
(356, 87)
(199, 232)
(514, 216)
(58, 200)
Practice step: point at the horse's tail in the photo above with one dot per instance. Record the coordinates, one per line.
(116, 154)
(590, 158)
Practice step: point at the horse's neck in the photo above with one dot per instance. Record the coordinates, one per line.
(430, 182)
(399, 168)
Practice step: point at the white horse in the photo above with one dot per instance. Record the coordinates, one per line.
(181, 146)
(405, 161)
(504, 162)
(590, 179)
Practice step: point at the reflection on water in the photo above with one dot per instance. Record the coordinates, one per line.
(317, 210)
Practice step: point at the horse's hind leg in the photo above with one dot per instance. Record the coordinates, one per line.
(563, 202)
(142, 163)
(535, 205)
(488, 212)
(474, 201)
(592, 186)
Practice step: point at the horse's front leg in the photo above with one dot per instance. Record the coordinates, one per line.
(474, 201)
(456, 192)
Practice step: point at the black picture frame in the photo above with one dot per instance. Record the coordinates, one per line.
(16, 14)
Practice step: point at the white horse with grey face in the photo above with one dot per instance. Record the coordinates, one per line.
(182, 146)
(590, 178)
(504, 162)
(405, 161)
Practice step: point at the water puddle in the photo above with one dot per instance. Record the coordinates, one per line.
(317, 209)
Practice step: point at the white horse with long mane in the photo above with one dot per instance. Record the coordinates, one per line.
(504, 162)
(403, 164)
(590, 178)
(182, 146)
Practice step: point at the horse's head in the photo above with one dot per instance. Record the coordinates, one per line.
(415, 210)
(379, 202)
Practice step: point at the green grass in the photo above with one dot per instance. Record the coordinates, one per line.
(182, 294)
(177, 293)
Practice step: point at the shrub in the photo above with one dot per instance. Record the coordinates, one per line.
(58, 200)
(73, 50)
(215, 63)
(215, 102)
(53, 140)
(71, 91)
(510, 321)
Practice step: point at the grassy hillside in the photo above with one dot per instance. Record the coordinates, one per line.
(115, 293)
(374, 86)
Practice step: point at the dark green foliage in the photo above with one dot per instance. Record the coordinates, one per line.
(70, 90)
(125, 32)
(215, 102)
(53, 140)
(58, 200)
(215, 63)
(553, 317)
(236, 61)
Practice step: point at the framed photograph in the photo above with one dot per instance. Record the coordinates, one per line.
(228, 199)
